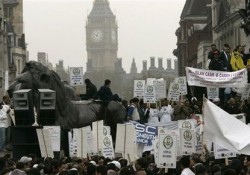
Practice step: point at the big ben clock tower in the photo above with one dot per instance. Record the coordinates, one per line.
(101, 38)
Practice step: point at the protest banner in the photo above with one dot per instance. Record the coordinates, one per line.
(174, 92)
(167, 151)
(149, 94)
(97, 135)
(160, 88)
(182, 81)
(107, 148)
(145, 134)
(76, 76)
(55, 136)
(212, 93)
(220, 152)
(126, 141)
(187, 141)
(211, 78)
(139, 86)
(44, 143)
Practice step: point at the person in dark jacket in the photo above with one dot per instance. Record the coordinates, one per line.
(105, 94)
(91, 90)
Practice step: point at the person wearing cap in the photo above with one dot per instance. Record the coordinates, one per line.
(214, 58)
(237, 62)
(27, 161)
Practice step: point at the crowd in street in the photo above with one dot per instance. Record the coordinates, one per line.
(150, 113)
(145, 165)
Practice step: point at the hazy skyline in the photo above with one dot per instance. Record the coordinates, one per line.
(146, 28)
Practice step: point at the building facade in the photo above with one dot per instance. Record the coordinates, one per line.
(195, 26)
(226, 23)
(13, 46)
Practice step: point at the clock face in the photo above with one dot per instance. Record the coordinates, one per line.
(113, 35)
(96, 35)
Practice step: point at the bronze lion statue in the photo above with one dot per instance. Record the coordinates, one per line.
(69, 112)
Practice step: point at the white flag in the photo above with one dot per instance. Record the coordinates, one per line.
(225, 130)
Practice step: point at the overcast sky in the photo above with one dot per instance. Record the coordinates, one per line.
(146, 28)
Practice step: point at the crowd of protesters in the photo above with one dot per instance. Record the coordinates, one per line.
(187, 165)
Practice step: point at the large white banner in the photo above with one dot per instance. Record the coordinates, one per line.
(210, 78)
(76, 76)
(139, 86)
(225, 130)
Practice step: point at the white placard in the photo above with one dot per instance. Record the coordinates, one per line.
(76, 76)
(45, 143)
(41, 142)
(55, 136)
(126, 141)
(150, 81)
(139, 86)
(211, 78)
(182, 81)
(73, 137)
(198, 140)
(160, 88)
(107, 148)
(187, 141)
(220, 152)
(167, 151)
(187, 124)
(212, 93)
(97, 134)
(174, 92)
(149, 94)
(84, 141)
